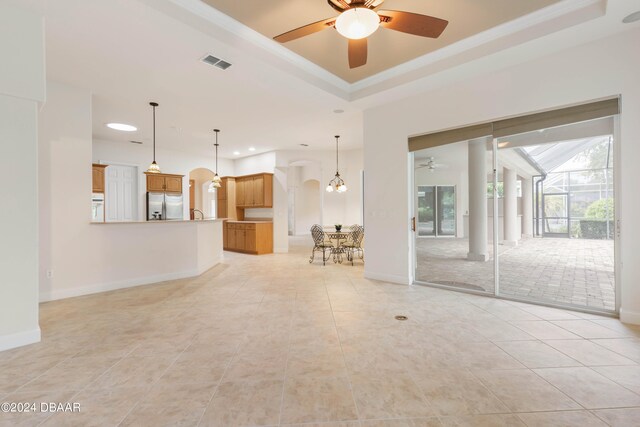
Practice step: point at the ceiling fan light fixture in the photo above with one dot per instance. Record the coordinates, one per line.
(357, 23)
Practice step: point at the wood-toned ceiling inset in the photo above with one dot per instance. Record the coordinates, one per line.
(387, 48)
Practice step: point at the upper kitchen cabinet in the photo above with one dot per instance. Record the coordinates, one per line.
(255, 191)
(164, 183)
(227, 198)
(98, 177)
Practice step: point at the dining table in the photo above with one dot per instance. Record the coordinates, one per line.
(337, 249)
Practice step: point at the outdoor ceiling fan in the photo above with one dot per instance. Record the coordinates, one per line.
(431, 165)
(359, 19)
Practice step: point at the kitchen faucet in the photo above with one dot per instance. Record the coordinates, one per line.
(197, 210)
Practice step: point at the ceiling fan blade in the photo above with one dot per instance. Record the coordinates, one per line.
(412, 23)
(357, 53)
(305, 30)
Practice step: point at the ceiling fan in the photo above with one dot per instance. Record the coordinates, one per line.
(431, 165)
(359, 19)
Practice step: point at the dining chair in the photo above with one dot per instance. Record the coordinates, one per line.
(354, 244)
(320, 244)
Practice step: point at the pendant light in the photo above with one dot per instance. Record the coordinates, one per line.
(215, 183)
(337, 183)
(154, 168)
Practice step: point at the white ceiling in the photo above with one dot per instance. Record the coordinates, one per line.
(130, 52)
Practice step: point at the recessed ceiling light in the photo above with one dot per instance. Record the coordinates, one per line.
(252, 149)
(305, 145)
(236, 153)
(635, 16)
(338, 111)
(121, 126)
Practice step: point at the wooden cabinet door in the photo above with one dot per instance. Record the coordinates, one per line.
(222, 209)
(240, 192)
(98, 180)
(155, 183)
(222, 191)
(173, 184)
(258, 191)
(248, 192)
(242, 240)
(225, 236)
(250, 241)
(231, 237)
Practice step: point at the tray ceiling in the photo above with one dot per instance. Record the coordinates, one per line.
(386, 48)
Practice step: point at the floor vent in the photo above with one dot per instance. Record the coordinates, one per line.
(216, 62)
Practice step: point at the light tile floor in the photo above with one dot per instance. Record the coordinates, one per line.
(567, 271)
(274, 341)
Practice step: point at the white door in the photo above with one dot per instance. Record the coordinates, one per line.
(121, 193)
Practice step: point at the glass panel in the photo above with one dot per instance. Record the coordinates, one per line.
(426, 211)
(458, 251)
(567, 258)
(446, 211)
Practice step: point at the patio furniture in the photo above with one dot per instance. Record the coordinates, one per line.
(354, 244)
(320, 244)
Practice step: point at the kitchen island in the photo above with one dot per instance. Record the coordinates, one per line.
(126, 254)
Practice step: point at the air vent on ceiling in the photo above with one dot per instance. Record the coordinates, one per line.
(216, 62)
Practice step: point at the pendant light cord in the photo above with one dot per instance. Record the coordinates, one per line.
(337, 168)
(216, 145)
(154, 133)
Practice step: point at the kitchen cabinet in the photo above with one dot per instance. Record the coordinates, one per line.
(98, 177)
(227, 198)
(249, 237)
(240, 191)
(255, 191)
(159, 182)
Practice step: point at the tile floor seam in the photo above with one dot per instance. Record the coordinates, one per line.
(344, 359)
(612, 350)
(286, 364)
(150, 387)
(543, 379)
(215, 391)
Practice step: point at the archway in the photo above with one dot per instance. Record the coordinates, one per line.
(200, 199)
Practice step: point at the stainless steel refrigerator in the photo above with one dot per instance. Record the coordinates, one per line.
(164, 206)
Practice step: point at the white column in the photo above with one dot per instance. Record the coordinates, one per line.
(21, 88)
(510, 212)
(527, 207)
(477, 200)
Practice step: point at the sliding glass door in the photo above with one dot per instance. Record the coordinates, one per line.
(537, 207)
(447, 253)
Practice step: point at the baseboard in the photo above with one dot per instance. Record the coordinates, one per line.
(19, 339)
(392, 278)
(112, 286)
(209, 266)
(630, 317)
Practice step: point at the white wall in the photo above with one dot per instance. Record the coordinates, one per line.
(337, 208)
(22, 87)
(308, 207)
(600, 69)
(85, 257)
(170, 161)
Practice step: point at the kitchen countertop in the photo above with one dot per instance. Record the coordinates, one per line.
(248, 221)
(173, 221)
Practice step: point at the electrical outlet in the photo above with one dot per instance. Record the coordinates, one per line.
(49, 274)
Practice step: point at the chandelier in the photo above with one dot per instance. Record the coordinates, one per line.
(337, 183)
